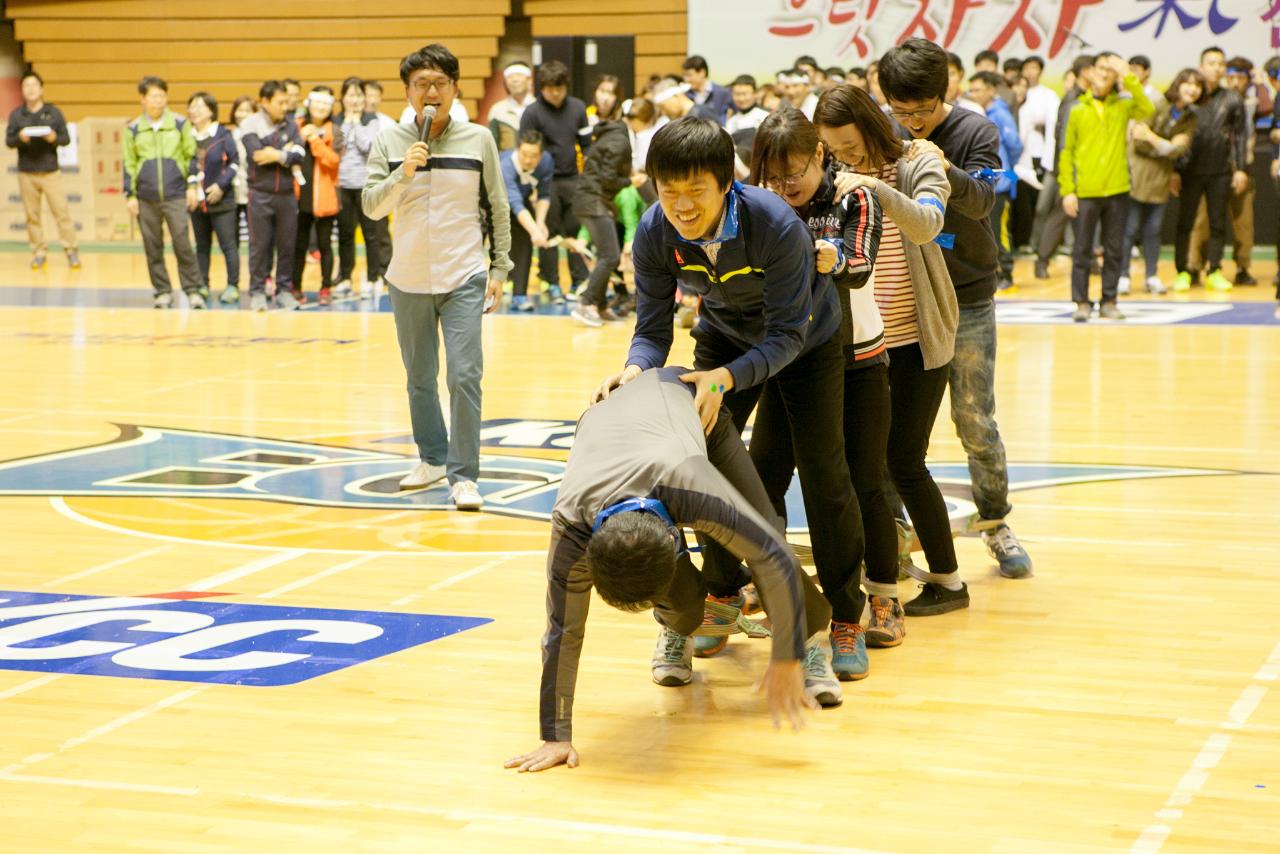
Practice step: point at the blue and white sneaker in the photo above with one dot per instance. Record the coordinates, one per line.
(521, 304)
(849, 651)
(820, 682)
(1008, 552)
(705, 647)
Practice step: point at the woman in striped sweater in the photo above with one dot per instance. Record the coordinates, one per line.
(788, 159)
(918, 306)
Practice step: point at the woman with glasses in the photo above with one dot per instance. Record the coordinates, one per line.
(918, 306)
(788, 159)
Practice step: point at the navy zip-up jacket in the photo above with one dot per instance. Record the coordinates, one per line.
(258, 132)
(217, 164)
(763, 293)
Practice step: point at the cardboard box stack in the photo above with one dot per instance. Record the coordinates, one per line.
(92, 181)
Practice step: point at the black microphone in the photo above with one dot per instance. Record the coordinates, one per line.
(428, 116)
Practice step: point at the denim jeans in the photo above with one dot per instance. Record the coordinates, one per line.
(420, 318)
(226, 225)
(973, 408)
(1145, 221)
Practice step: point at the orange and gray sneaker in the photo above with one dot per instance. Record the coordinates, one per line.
(888, 624)
(707, 646)
(752, 596)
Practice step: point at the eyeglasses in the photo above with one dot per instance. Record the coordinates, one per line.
(439, 84)
(791, 180)
(916, 114)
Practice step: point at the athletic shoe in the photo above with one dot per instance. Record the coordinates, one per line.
(685, 316)
(1155, 286)
(257, 301)
(820, 683)
(1082, 312)
(1108, 311)
(751, 597)
(1243, 278)
(1042, 270)
(521, 304)
(366, 290)
(342, 289)
(38, 262)
(423, 473)
(1123, 286)
(465, 496)
(300, 296)
(1004, 284)
(1008, 552)
(555, 296)
(1215, 281)
(935, 599)
(608, 315)
(163, 300)
(286, 301)
(325, 297)
(672, 662)
(577, 290)
(230, 295)
(848, 651)
(1182, 283)
(73, 260)
(587, 315)
(705, 647)
(196, 301)
(888, 625)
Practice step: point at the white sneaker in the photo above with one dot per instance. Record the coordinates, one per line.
(164, 300)
(195, 301)
(820, 681)
(342, 289)
(587, 315)
(1124, 286)
(1155, 286)
(672, 662)
(421, 475)
(258, 302)
(465, 496)
(366, 290)
(286, 301)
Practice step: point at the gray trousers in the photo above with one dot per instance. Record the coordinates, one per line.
(420, 319)
(152, 217)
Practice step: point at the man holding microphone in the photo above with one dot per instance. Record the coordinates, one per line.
(444, 183)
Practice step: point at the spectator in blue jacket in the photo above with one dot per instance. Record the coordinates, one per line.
(215, 167)
(527, 171)
(983, 87)
(717, 99)
(767, 314)
(273, 147)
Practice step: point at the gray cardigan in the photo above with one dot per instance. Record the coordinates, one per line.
(918, 206)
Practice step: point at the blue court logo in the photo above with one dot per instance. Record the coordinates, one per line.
(148, 637)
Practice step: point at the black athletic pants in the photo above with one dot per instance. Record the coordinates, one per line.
(811, 391)
(1216, 190)
(273, 229)
(561, 221)
(1111, 213)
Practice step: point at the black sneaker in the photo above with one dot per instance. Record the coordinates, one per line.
(1243, 278)
(1195, 278)
(935, 599)
(1042, 270)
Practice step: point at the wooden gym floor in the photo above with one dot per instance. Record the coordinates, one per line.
(1125, 698)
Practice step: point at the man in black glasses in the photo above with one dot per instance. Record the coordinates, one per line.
(641, 469)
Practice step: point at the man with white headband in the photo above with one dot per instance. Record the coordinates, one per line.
(796, 88)
(672, 97)
(504, 116)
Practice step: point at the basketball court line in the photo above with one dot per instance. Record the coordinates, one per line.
(324, 573)
(112, 564)
(1211, 753)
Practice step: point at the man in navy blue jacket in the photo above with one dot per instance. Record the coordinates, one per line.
(703, 91)
(766, 315)
(527, 171)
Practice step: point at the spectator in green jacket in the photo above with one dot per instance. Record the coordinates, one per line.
(158, 148)
(1093, 174)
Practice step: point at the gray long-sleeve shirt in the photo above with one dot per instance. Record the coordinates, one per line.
(646, 441)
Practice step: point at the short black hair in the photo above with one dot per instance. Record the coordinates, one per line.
(954, 61)
(289, 81)
(146, 84)
(1140, 60)
(531, 137)
(990, 78)
(553, 73)
(209, 101)
(1213, 48)
(858, 71)
(914, 71)
(987, 56)
(689, 146)
(31, 72)
(1012, 64)
(371, 84)
(1082, 62)
(806, 60)
(268, 89)
(744, 80)
(695, 63)
(632, 559)
(1240, 63)
(349, 83)
(834, 71)
(435, 57)
(1036, 58)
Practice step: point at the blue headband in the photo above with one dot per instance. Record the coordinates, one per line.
(631, 505)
